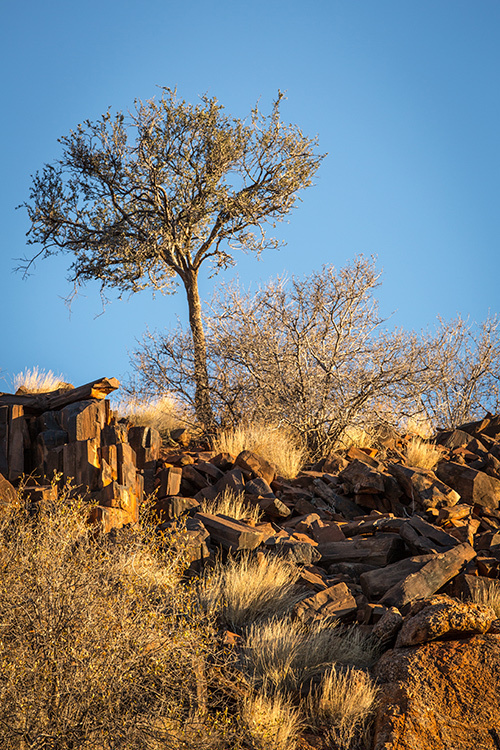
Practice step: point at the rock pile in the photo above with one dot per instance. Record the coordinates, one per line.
(73, 434)
(395, 548)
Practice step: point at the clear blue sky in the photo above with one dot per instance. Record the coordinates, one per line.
(404, 96)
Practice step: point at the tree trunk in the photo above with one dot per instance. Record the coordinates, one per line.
(202, 393)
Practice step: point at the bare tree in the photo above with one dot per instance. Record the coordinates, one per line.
(312, 353)
(141, 199)
(461, 371)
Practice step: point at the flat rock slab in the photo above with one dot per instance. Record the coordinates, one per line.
(233, 535)
(443, 618)
(380, 549)
(334, 602)
(429, 579)
(375, 583)
(440, 696)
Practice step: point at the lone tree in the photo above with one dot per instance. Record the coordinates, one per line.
(142, 198)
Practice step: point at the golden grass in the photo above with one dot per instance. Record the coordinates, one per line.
(276, 444)
(342, 705)
(38, 381)
(164, 414)
(232, 504)
(270, 721)
(99, 642)
(357, 436)
(249, 589)
(488, 594)
(420, 454)
(284, 652)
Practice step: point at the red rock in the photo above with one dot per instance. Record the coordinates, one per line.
(440, 696)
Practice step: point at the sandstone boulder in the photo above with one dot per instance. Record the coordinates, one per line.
(443, 618)
(440, 696)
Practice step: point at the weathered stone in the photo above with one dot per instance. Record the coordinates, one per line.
(443, 617)
(146, 443)
(194, 477)
(371, 524)
(363, 478)
(173, 507)
(376, 582)
(429, 579)
(474, 487)
(424, 487)
(232, 480)
(18, 440)
(108, 518)
(233, 535)
(389, 624)
(256, 466)
(327, 532)
(259, 487)
(440, 696)
(83, 420)
(272, 506)
(380, 549)
(422, 537)
(335, 602)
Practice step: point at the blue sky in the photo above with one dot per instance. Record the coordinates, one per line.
(404, 96)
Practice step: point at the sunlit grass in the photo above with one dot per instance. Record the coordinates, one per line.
(38, 381)
(276, 444)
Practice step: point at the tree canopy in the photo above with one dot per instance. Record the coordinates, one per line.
(141, 198)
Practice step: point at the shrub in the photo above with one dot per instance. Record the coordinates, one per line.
(99, 644)
(165, 414)
(249, 589)
(488, 594)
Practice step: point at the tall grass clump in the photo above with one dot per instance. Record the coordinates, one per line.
(421, 454)
(487, 593)
(164, 414)
(38, 381)
(270, 722)
(232, 504)
(284, 653)
(276, 444)
(100, 645)
(342, 705)
(249, 589)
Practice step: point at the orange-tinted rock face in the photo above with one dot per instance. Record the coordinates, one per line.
(440, 696)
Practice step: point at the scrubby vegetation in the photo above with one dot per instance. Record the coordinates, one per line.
(313, 355)
(104, 644)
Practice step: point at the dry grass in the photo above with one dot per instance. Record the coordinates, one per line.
(38, 381)
(284, 652)
(249, 590)
(420, 426)
(99, 643)
(276, 444)
(232, 504)
(342, 705)
(270, 721)
(420, 454)
(164, 414)
(357, 436)
(488, 594)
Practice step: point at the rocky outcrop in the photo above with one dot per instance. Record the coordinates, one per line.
(440, 696)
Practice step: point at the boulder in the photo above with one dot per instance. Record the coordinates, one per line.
(475, 487)
(335, 602)
(431, 576)
(443, 618)
(424, 487)
(441, 695)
